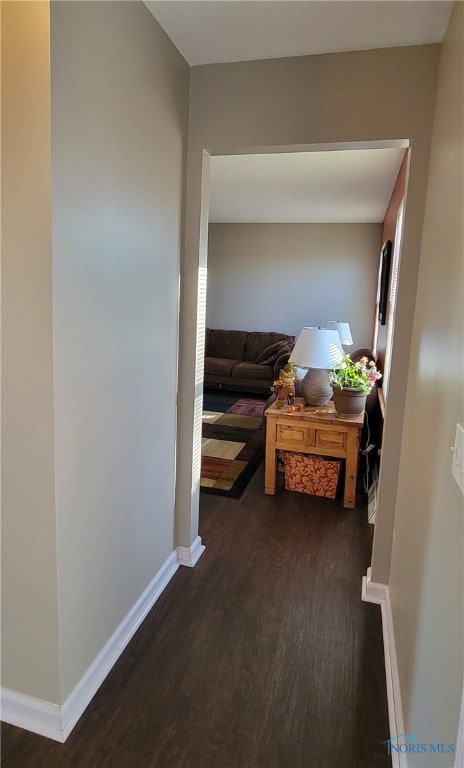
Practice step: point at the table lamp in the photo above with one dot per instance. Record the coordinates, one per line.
(317, 349)
(343, 330)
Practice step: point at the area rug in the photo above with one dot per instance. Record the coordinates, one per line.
(232, 443)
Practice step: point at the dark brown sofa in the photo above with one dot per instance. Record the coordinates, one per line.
(248, 361)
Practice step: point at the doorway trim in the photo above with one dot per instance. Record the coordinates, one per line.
(193, 317)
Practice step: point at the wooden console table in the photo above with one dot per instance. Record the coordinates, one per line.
(319, 431)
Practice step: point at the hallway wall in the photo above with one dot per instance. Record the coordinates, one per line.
(94, 138)
(29, 583)
(427, 566)
(119, 132)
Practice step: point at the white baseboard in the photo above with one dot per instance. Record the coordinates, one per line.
(459, 758)
(56, 722)
(379, 594)
(31, 714)
(85, 690)
(189, 556)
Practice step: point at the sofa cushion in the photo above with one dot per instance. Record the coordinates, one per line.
(271, 353)
(259, 340)
(253, 371)
(226, 344)
(219, 366)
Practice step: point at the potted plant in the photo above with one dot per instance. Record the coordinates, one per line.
(351, 383)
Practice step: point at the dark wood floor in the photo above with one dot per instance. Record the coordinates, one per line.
(263, 656)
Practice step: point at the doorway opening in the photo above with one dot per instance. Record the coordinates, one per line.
(202, 273)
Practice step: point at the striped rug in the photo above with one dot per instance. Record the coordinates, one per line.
(232, 443)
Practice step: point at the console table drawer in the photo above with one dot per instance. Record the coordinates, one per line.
(330, 438)
(297, 435)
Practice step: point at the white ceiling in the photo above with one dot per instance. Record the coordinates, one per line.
(345, 186)
(213, 31)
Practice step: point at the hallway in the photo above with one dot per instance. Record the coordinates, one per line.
(263, 656)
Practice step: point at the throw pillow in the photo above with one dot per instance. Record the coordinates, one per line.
(269, 355)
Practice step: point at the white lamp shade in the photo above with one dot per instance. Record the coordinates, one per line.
(317, 348)
(343, 329)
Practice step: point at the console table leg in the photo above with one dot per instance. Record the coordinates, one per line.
(270, 466)
(351, 469)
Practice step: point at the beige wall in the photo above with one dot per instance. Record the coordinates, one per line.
(280, 277)
(29, 590)
(349, 97)
(119, 130)
(426, 579)
(89, 392)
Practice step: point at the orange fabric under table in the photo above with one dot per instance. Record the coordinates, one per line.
(311, 474)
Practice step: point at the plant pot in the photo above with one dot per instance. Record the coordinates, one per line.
(349, 402)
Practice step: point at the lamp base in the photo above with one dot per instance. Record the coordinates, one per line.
(316, 388)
